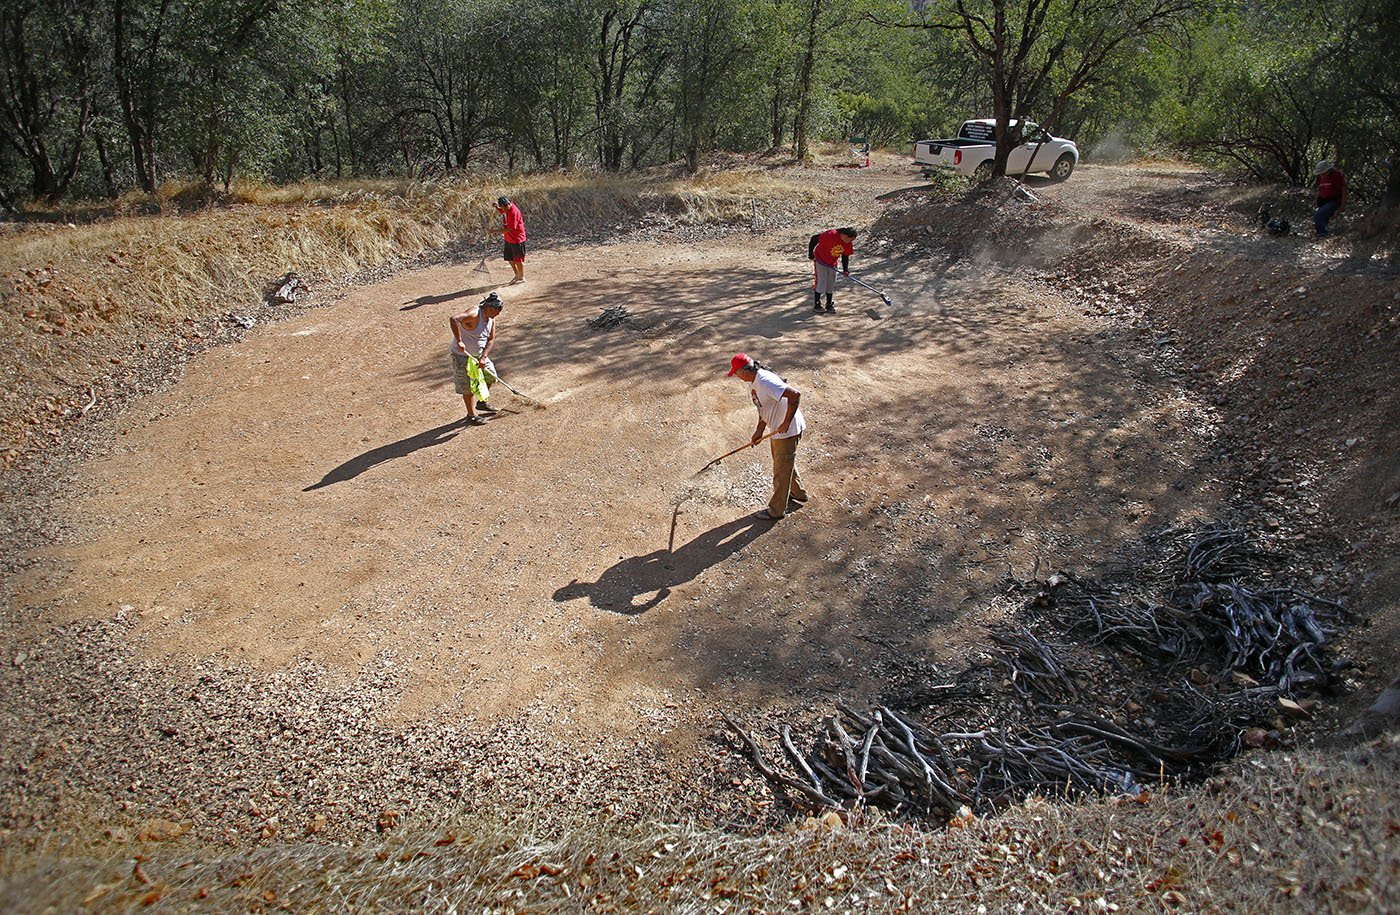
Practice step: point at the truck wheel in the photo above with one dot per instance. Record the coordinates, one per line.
(1062, 167)
(982, 173)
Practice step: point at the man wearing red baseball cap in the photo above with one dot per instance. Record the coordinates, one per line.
(778, 407)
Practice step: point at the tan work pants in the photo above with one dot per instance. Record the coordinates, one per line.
(787, 482)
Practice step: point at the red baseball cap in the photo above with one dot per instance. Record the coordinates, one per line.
(740, 361)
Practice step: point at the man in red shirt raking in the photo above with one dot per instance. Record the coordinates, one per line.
(513, 228)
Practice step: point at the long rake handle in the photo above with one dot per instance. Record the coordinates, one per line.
(855, 279)
(737, 450)
(510, 387)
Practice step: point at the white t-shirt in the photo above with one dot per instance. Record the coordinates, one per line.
(474, 338)
(766, 390)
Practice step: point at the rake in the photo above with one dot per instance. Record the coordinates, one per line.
(729, 453)
(860, 282)
(510, 387)
(689, 489)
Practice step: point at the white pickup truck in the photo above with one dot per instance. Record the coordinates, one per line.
(975, 148)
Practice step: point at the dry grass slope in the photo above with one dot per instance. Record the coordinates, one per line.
(1297, 832)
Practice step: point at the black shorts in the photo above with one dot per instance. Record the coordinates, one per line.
(515, 251)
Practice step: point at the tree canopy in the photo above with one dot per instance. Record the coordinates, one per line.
(97, 98)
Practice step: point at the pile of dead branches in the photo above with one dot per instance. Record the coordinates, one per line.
(612, 316)
(1213, 618)
(1105, 686)
(887, 759)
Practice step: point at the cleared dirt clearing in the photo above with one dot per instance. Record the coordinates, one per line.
(306, 572)
(310, 493)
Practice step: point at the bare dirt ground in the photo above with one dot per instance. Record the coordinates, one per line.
(296, 592)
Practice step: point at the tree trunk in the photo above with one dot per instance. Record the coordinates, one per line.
(777, 112)
(347, 106)
(804, 80)
(614, 61)
(137, 91)
(1391, 197)
(1001, 108)
(109, 179)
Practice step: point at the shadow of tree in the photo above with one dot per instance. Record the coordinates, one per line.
(384, 453)
(656, 573)
(682, 314)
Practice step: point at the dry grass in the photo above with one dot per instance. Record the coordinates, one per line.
(79, 303)
(1300, 832)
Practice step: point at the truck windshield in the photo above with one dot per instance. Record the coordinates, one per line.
(976, 130)
(986, 132)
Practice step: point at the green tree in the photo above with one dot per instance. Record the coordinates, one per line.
(142, 65)
(1272, 89)
(47, 64)
(622, 30)
(447, 59)
(709, 51)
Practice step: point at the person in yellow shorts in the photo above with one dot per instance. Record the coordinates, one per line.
(473, 332)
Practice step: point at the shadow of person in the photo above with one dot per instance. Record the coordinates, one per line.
(445, 297)
(375, 456)
(635, 585)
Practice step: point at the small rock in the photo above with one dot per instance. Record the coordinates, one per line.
(1254, 737)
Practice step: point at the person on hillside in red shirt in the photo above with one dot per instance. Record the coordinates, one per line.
(1331, 195)
(513, 229)
(828, 246)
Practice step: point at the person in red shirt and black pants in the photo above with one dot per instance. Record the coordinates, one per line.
(824, 250)
(1331, 195)
(513, 228)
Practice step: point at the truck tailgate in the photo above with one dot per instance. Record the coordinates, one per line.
(932, 152)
